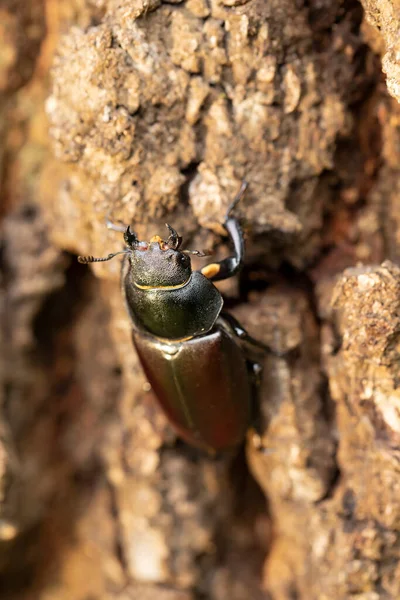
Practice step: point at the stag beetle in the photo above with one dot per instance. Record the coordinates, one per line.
(203, 367)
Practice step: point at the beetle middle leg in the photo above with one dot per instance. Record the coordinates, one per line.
(255, 353)
(252, 346)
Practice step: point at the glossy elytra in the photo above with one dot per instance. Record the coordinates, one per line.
(202, 365)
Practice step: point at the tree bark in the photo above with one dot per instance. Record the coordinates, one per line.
(147, 111)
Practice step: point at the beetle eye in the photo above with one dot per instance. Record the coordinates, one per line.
(180, 259)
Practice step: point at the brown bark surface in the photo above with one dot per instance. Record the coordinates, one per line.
(148, 111)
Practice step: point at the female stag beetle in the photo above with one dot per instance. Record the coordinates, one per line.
(203, 366)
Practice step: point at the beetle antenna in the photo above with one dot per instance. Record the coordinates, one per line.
(85, 260)
(198, 253)
(174, 240)
(236, 199)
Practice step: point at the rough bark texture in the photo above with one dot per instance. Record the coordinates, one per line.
(147, 111)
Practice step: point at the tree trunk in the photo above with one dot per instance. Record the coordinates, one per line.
(145, 111)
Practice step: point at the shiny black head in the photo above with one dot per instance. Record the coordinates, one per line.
(154, 264)
(158, 263)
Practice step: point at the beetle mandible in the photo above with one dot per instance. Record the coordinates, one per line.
(203, 367)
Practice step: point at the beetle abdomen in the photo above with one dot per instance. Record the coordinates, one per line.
(202, 384)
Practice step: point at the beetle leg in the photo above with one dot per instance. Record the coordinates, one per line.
(228, 266)
(236, 199)
(253, 347)
(257, 428)
(255, 353)
(231, 265)
(255, 371)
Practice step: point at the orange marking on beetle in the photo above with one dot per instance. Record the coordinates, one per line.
(211, 270)
(156, 238)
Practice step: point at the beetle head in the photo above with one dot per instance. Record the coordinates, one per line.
(154, 264)
(158, 263)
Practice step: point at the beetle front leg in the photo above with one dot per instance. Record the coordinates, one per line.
(231, 265)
